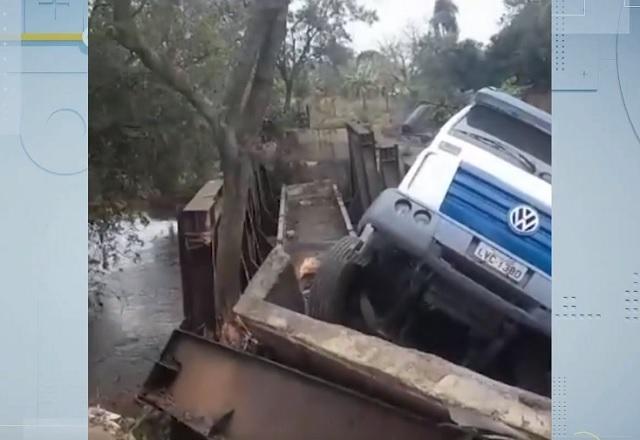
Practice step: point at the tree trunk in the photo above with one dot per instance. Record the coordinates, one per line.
(237, 182)
(364, 101)
(288, 93)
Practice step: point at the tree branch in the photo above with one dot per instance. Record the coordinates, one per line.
(264, 75)
(126, 33)
(249, 84)
(262, 16)
(139, 9)
(311, 35)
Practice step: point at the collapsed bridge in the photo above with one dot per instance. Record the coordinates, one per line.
(289, 376)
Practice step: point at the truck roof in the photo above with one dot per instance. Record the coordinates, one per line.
(505, 103)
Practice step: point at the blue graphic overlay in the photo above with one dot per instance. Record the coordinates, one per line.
(53, 16)
(43, 194)
(596, 272)
(591, 16)
(10, 61)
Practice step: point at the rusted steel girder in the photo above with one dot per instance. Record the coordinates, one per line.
(366, 180)
(217, 392)
(196, 232)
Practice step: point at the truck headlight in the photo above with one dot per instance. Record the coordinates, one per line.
(423, 218)
(403, 207)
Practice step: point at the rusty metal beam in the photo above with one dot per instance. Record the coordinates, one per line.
(196, 227)
(217, 392)
(372, 171)
(389, 160)
(358, 137)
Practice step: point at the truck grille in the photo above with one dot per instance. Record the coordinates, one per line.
(483, 207)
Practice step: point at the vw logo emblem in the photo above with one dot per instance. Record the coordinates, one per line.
(524, 220)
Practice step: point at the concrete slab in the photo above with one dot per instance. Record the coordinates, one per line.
(420, 382)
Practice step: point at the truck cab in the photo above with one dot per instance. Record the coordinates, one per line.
(466, 235)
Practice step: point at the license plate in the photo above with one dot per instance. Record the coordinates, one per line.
(500, 262)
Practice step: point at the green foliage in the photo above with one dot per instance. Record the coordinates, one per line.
(445, 67)
(361, 81)
(328, 80)
(317, 33)
(517, 58)
(512, 87)
(522, 49)
(441, 67)
(336, 54)
(303, 87)
(399, 66)
(145, 141)
(444, 21)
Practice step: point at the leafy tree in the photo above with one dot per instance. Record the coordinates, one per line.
(522, 48)
(438, 65)
(146, 142)
(233, 117)
(518, 56)
(361, 81)
(336, 54)
(444, 22)
(400, 56)
(384, 75)
(313, 29)
(445, 67)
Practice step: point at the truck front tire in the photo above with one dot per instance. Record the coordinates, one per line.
(335, 280)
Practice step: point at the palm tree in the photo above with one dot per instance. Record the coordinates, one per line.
(379, 72)
(444, 21)
(361, 81)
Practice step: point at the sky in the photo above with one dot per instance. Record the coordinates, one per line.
(478, 19)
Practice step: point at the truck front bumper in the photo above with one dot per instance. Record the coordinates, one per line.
(447, 250)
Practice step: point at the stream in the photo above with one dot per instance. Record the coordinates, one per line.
(141, 306)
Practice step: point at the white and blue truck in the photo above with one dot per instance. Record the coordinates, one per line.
(460, 251)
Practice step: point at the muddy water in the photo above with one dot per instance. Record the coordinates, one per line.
(142, 304)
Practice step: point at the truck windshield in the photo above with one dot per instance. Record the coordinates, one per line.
(508, 137)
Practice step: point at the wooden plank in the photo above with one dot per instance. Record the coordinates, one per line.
(420, 382)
